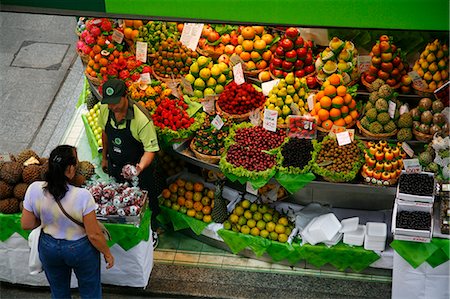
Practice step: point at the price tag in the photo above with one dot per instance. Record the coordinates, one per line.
(446, 188)
(255, 117)
(302, 126)
(145, 78)
(208, 104)
(249, 188)
(191, 34)
(364, 62)
(417, 80)
(5, 158)
(141, 51)
(336, 129)
(217, 122)
(343, 138)
(404, 109)
(117, 36)
(173, 87)
(391, 109)
(187, 86)
(267, 86)
(270, 120)
(295, 109)
(310, 101)
(238, 74)
(412, 165)
(408, 150)
(235, 59)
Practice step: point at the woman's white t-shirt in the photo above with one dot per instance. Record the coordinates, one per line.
(77, 202)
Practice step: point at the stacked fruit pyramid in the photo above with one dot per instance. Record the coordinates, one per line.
(338, 58)
(259, 220)
(432, 66)
(153, 33)
(92, 119)
(335, 104)
(149, 96)
(293, 54)
(218, 39)
(428, 118)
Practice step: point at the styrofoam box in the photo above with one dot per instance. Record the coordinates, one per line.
(325, 227)
(414, 235)
(376, 231)
(349, 224)
(336, 239)
(378, 246)
(356, 237)
(419, 198)
(306, 235)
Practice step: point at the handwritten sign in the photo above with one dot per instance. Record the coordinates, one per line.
(191, 35)
(343, 138)
(145, 78)
(238, 74)
(217, 122)
(412, 165)
(391, 109)
(270, 120)
(117, 36)
(267, 86)
(141, 51)
(364, 62)
(187, 86)
(417, 80)
(310, 101)
(408, 150)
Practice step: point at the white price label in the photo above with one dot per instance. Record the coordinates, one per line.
(412, 165)
(117, 36)
(209, 104)
(351, 132)
(235, 59)
(191, 34)
(238, 74)
(408, 150)
(255, 117)
(267, 86)
(249, 188)
(343, 138)
(187, 86)
(391, 109)
(174, 88)
(417, 80)
(217, 122)
(270, 120)
(295, 110)
(364, 62)
(5, 158)
(141, 51)
(145, 78)
(310, 101)
(446, 188)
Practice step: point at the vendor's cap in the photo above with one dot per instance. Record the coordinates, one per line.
(113, 90)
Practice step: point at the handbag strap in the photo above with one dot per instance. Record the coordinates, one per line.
(68, 216)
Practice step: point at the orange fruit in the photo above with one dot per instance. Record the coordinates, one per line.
(128, 23)
(341, 90)
(134, 34)
(103, 70)
(111, 57)
(89, 69)
(127, 32)
(334, 79)
(250, 65)
(262, 64)
(103, 61)
(347, 99)
(97, 49)
(348, 119)
(97, 57)
(255, 56)
(248, 32)
(327, 124)
(354, 114)
(344, 111)
(111, 46)
(313, 112)
(180, 27)
(96, 67)
(206, 210)
(245, 56)
(325, 102)
(93, 74)
(91, 62)
(340, 122)
(352, 105)
(137, 23)
(335, 114)
(258, 29)
(317, 107)
(247, 45)
(323, 114)
(259, 45)
(337, 102)
(330, 90)
(267, 56)
(268, 38)
(238, 50)
(198, 206)
(319, 95)
(101, 41)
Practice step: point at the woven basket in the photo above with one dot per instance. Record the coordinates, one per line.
(425, 93)
(95, 81)
(369, 86)
(349, 126)
(367, 133)
(421, 136)
(163, 79)
(255, 73)
(205, 158)
(84, 57)
(234, 117)
(212, 54)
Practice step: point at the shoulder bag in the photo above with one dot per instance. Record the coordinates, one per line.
(102, 227)
(34, 263)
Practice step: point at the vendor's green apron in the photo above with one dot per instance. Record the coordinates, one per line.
(124, 149)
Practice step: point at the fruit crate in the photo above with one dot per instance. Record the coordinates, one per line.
(416, 198)
(96, 151)
(135, 220)
(409, 234)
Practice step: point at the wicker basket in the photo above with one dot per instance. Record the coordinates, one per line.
(425, 93)
(349, 126)
(212, 54)
(205, 158)
(234, 117)
(94, 80)
(84, 57)
(367, 133)
(421, 136)
(165, 80)
(255, 73)
(369, 86)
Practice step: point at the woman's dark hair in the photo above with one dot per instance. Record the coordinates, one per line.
(60, 158)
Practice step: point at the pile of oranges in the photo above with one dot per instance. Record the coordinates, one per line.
(334, 105)
(130, 28)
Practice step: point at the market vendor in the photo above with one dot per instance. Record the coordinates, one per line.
(129, 137)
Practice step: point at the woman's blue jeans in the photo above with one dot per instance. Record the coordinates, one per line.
(59, 257)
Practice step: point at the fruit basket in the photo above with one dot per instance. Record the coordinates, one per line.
(366, 133)
(205, 158)
(84, 57)
(422, 136)
(94, 80)
(209, 53)
(370, 88)
(425, 92)
(235, 117)
(255, 73)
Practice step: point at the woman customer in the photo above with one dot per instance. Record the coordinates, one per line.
(65, 245)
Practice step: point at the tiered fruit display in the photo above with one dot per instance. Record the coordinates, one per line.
(219, 39)
(259, 220)
(428, 117)
(338, 163)
(172, 59)
(155, 32)
(335, 104)
(254, 47)
(293, 54)
(106, 65)
(338, 58)
(149, 96)
(288, 97)
(134, 69)
(170, 163)
(92, 118)
(131, 29)
(240, 99)
(172, 114)
(210, 141)
(387, 63)
(207, 78)
(436, 158)
(432, 66)
(97, 36)
(190, 198)
(384, 163)
(247, 156)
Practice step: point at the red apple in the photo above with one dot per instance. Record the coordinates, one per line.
(385, 47)
(308, 44)
(277, 62)
(405, 89)
(309, 59)
(384, 37)
(386, 57)
(234, 40)
(213, 36)
(298, 65)
(291, 56)
(373, 70)
(311, 82)
(309, 69)
(277, 73)
(279, 52)
(393, 48)
(387, 66)
(299, 73)
(287, 66)
(292, 33)
(286, 44)
(376, 50)
(391, 82)
(383, 75)
(301, 53)
(396, 74)
(299, 42)
(401, 66)
(369, 78)
(376, 60)
(396, 61)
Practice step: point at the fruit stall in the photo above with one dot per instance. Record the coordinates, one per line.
(324, 145)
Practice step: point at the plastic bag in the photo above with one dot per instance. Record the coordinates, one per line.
(34, 263)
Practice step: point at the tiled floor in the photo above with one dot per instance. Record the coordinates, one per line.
(178, 249)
